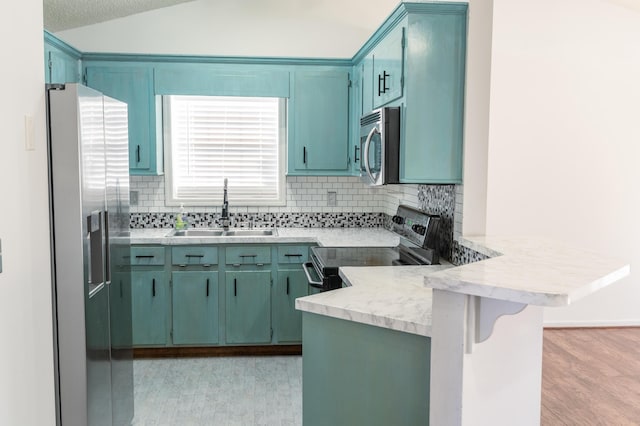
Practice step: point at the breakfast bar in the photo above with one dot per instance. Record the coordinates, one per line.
(483, 321)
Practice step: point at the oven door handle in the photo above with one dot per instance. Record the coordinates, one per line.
(312, 283)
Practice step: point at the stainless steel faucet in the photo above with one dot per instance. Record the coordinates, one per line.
(225, 208)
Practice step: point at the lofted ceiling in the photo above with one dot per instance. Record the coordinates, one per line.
(66, 14)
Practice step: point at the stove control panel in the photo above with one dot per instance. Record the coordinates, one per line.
(417, 226)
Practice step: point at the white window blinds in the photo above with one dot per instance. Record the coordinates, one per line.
(211, 138)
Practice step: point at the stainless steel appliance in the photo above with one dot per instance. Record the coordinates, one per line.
(380, 146)
(418, 232)
(89, 203)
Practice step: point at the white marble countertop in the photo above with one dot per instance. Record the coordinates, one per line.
(392, 297)
(529, 270)
(329, 237)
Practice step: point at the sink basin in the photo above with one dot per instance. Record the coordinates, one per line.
(206, 232)
(250, 233)
(195, 232)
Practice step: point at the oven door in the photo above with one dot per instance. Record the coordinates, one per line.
(314, 278)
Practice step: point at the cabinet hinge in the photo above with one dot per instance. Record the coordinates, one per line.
(403, 42)
(84, 77)
(50, 64)
(272, 334)
(171, 334)
(350, 83)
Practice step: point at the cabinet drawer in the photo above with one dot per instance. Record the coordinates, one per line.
(142, 256)
(293, 254)
(248, 255)
(194, 255)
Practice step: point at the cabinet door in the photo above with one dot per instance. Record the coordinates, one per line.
(62, 68)
(248, 318)
(135, 87)
(120, 310)
(320, 135)
(149, 307)
(195, 307)
(292, 283)
(366, 103)
(388, 61)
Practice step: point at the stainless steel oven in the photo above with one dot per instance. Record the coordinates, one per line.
(418, 232)
(380, 146)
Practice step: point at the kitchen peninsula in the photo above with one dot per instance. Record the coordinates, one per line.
(480, 324)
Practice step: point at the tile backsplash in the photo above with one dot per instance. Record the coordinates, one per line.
(356, 205)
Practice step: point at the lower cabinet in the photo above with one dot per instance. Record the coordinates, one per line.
(292, 283)
(149, 307)
(195, 307)
(248, 307)
(208, 295)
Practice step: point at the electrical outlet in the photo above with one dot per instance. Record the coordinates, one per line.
(133, 198)
(332, 199)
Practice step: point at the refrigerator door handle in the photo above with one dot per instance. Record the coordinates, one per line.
(107, 252)
(95, 235)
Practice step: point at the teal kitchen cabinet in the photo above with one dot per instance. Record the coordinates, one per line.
(133, 85)
(388, 61)
(62, 62)
(319, 123)
(248, 307)
(381, 70)
(366, 78)
(149, 307)
(383, 374)
(416, 61)
(195, 307)
(120, 310)
(195, 297)
(149, 294)
(248, 294)
(291, 284)
(432, 137)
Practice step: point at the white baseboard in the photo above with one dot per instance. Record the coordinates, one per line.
(595, 323)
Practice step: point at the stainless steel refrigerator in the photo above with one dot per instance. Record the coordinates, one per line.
(89, 202)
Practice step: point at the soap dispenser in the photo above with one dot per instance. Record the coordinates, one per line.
(181, 219)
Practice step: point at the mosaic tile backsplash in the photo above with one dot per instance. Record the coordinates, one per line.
(262, 220)
(357, 206)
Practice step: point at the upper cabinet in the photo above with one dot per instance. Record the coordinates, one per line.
(61, 61)
(416, 61)
(388, 61)
(319, 123)
(133, 85)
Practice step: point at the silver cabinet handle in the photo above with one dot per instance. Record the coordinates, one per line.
(312, 283)
(365, 154)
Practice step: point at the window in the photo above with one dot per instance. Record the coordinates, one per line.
(210, 138)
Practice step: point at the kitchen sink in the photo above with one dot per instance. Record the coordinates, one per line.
(195, 232)
(207, 232)
(250, 233)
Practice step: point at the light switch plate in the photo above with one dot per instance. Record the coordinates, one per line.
(133, 198)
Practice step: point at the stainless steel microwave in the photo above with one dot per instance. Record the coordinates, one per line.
(380, 146)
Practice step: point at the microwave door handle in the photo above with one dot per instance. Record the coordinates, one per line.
(365, 154)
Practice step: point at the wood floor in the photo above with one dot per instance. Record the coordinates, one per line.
(591, 377)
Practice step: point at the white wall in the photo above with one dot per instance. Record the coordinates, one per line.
(26, 358)
(564, 150)
(324, 29)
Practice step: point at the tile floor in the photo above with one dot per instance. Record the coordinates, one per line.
(218, 391)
